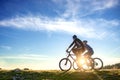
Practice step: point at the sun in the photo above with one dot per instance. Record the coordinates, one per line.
(82, 61)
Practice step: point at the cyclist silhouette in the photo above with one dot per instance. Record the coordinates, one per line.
(89, 51)
(77, 48)
(83, 60)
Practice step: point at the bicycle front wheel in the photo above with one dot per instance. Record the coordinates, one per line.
(65, 64)
(98, 63)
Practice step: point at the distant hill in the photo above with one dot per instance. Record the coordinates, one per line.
(114, 66)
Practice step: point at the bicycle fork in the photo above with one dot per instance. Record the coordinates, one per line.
(66, 60)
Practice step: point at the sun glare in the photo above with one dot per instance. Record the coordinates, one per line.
(82, 61)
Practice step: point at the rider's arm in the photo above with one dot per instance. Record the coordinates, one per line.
(71, 45)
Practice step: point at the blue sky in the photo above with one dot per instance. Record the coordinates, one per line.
(36, 33)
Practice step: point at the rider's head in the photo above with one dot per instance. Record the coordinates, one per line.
(85, 41)
(74, 36)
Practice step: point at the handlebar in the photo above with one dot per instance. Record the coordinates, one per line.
(68, 51)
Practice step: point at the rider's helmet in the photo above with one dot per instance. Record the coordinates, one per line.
(74, 36)
(85, 41)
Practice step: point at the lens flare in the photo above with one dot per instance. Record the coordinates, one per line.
(82, 61)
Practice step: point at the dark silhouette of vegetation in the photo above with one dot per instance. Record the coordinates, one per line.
(26, 68)
(110, 74)
(114, 66)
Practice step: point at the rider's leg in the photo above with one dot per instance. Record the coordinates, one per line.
(86, 56)
(79, 57)
(77, 53)
(88, 59)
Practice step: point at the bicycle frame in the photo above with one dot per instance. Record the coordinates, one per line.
(70, 55)
(86, 65)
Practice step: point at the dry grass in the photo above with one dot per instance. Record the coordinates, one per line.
(60, 75)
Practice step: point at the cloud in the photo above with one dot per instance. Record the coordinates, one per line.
(68, 20)
(81, 8)
(26, 57)
(5, 47)
(83, 27)
(104, 4)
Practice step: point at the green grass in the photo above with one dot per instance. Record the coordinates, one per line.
(60, 75)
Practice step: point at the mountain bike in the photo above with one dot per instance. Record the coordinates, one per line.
(70, 61)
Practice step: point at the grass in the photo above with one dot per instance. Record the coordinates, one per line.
(60, 75)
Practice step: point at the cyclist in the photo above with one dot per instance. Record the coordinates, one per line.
(89, 51)
(77, 48)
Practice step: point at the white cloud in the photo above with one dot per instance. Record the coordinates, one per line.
(26, 57)
(82, 27)
(73, 9)
(104, 4)
(81, 8)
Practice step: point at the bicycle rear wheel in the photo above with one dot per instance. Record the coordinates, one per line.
(98, 63)
(65, 64)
